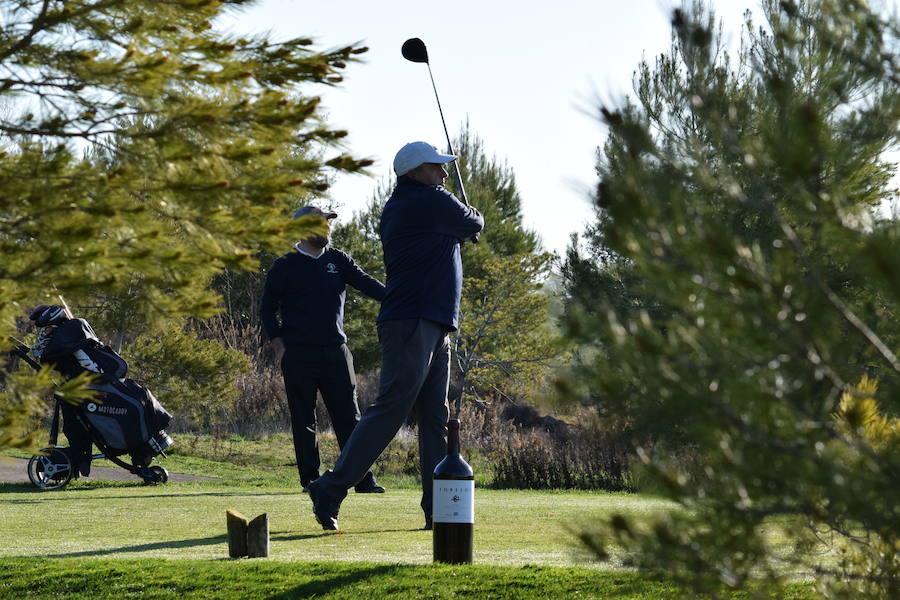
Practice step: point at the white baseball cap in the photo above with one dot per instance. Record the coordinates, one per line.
(306, 210)
(414, 154)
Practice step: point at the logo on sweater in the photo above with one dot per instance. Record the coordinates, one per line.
(331, 268)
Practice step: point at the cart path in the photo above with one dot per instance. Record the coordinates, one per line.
(15, 470)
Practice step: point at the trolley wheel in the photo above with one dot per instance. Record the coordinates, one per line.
(51, 469)
(156, 474)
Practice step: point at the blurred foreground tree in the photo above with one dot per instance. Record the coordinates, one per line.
(140, 147)
(751, 339)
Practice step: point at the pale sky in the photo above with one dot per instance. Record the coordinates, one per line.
(528, 76)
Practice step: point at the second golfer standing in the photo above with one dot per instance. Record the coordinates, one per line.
(302, 310)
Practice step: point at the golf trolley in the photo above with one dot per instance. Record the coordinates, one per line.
(52, 468)
(117, 421)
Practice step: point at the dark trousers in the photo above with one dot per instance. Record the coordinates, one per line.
(329, 371)
(415, 374)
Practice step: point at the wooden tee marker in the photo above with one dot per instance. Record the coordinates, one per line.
(247, 538)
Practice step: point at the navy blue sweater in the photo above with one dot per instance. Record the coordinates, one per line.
(421, 229)
(309, 295)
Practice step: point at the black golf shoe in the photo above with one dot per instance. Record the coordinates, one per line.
(326, 513)
(369, 487)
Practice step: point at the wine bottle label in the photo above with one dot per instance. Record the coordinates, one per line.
(454, 501)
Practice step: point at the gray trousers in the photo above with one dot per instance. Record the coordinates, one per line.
(415, 374)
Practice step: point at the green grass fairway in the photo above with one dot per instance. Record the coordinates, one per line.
(187, 521)
(98, 540)
(156, 579)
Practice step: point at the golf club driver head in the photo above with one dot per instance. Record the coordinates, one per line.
(414, 50)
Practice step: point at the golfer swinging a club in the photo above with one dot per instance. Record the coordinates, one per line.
(421, 229)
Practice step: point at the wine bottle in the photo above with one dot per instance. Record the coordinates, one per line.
(453, 515)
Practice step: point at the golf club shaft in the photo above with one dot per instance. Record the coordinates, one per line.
(456, 173)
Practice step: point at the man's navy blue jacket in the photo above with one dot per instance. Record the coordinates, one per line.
(421, 229)
(309, 293)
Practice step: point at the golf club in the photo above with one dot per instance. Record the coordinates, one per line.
(414, 50)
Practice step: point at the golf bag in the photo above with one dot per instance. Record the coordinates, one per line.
(124, 413)
(123, 417)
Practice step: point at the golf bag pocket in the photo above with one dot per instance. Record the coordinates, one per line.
(125, 414)
(112, 366)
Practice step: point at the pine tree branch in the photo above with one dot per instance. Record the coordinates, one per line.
(838, 304)
(37, 25)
